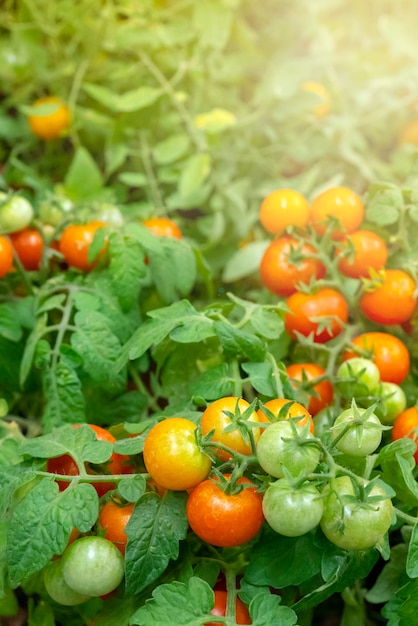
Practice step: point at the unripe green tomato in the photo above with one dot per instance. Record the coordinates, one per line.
(15, 213)
(111, 215)
(357, 378)
(57, 587)
(392, 402)
(274, 453)
(360, 439)
(93, 566)
(290, 511)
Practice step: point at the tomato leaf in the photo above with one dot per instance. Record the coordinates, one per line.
(41, 525)
(237, 342)
(171, 149)
(64, 397)
(214, 383)
(412, 559)
(266, 609)
(83, 179)
(123, 102)
(127, 268)
(194, 172)
(173, 268)
(244, 262)
(387, 582)
(191, 602)
(154, 531)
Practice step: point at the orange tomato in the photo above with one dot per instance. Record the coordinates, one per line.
(367, 251)
(388, 352)
(339, 203)
(283, 208)
(75, 242)
(392, 301)
(51, 123)
(321, 393)
(293, 410)
(113, 518)
(6, 256)
(163, 227)
(406, 425)
(308, 312)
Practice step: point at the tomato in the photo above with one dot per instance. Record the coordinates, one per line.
(113, 518)
(387, 351)
(163, 227)
(361, 251)
(362, 431)
(352, 523)
(172, 455)
(284, 409)
(323, 107)
(339, 203)
(58, 589)
(75, 242)
(279, 449)
(29, 247)
(392, 402)
(118, 463)
(287, 262)
(283, 208)
(320, 394)
(406, 425)
(392, 300)
(308, 312)
(15, 212)
(225, 519)
(52, 119)
(6, 256)
(409, 133)
(242, 615)
(358, 377)
(292, 511)
(63, 465)
(220, 415)
(93, 566)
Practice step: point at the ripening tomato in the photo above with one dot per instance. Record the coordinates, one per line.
(363, 250)
(52, 119)
(406, 425)
(242, 615)
(6, 256)
(324, 104)
(29, 247)
(339, 203)
(283, 208)
(225, 519)
(113, 518)
(308, 312)
(220, 415)
(283, 409)
(172, 455)
(302, 376)
(387, 351)
(287, 262)
(75, 242)
(392, 301)
(163, 227)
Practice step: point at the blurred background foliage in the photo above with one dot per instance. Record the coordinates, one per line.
(198, 109)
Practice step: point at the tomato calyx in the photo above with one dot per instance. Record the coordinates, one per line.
(361, 422)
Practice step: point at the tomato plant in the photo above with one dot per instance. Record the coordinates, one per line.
(391, 300)
(50, 117)
(287, 262)
(387, 351)
(303, 377)
(283, 208)
(172, 454)
(16, 212)
(241, 611)
(163, 227)
(6, 256)
(322, 314)
(223, 518)
(357, 377)
(57, 587)
(285, 409)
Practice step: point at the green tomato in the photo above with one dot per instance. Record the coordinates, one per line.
(392, 402)
(290, 511)
(278, 448)
(15, 213)
(93, 566)
(111, 215)
(353, 524)
(357, 378)
(57, 587)
(363, 434)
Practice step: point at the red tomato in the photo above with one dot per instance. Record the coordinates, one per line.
(387, 351)
(320, 394)
(406, 425)
(392, 301)
(29, 247)
(242, 615)
(75, 242)
(367, 251)
(218, 416)
(6, 256)
(293, 410)
(113, 518)
(224, 519)
(287, 262)
(163, 227)
(339, 203)
(307, 312)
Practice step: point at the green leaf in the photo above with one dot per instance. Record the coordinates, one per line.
(132, 488)
(10, 327)
(412, 560)
(11, 358)
(133, 179)
(261, 377)
(383, 208)
(53, 302)
(196, 328)
(154, 531)
(397, 463)
(267, 323)
(190, 602)
(127, 102)
(237, 342)
(63, 396)
(96, 344)
(30, 347)
(244, 262)
(266, 609)
(83, 179)
(194, 173)
(171, 149)
(173, 268)
(127, 268)
(212, 22)
(387, 582)
(42, 523)
(214, 383)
